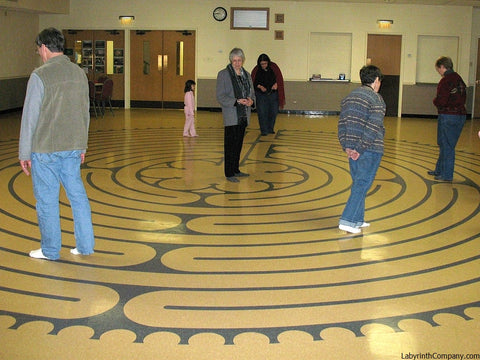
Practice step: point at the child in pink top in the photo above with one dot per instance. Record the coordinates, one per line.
(189, 102)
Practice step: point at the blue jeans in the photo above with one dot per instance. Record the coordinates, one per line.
(49, 170)
(267, 110)
(363, 172)
(449, 128)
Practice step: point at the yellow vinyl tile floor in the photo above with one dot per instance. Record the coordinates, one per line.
(190, 266)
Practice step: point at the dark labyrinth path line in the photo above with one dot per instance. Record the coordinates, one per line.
(181, 251)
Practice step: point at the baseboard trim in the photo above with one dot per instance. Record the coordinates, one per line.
(289, 112)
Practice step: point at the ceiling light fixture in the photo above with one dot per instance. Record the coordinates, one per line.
(126, 19)
(384, 24)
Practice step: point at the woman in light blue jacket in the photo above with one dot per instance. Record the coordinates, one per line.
(236, 95)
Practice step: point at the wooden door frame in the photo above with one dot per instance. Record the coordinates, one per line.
(476, 95)
(170, 94)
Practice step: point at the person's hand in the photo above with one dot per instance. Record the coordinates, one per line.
(246, 102)
(352, 154)
(262, 88)
(275, 86)
(82, 158)
(26, 165)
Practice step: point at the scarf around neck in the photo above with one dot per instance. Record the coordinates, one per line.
(241, 90)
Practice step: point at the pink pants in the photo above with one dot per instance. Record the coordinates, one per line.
(189, 129)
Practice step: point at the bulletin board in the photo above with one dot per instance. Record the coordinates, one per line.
(430, 48)
(249, 18)
(330, 54)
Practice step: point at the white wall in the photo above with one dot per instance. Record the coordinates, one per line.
(44, 6)
(474, 48)
(18, 31)
(215, 39)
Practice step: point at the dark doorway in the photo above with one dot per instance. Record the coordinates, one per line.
(385, 52)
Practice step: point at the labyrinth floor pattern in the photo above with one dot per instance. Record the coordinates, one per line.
(189, 266)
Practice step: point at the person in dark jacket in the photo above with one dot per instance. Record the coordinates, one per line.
(361, 132)
(269, 92)
(450, 102)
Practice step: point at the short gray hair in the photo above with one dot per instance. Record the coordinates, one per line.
(445, 61)
(236, 52)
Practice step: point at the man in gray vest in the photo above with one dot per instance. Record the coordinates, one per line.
(53, 142)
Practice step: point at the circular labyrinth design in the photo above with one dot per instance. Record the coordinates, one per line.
(180, 250)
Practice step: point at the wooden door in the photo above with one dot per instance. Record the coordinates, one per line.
(161, 62)
(146, 61)
(385, 52)
(476, 105)
(179, 50)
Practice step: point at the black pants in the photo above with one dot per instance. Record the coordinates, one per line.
(233, 142)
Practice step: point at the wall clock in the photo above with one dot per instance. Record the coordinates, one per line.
(220, 13)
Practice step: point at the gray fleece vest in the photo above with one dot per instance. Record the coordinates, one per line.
(64, 115)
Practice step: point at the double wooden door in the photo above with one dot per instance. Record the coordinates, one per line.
(161, 62)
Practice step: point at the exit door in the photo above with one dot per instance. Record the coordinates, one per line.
(385, 52)
(160, 64)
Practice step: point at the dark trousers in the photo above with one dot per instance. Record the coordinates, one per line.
(267, 110)
(233, 141)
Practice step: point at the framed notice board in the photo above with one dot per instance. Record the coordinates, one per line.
(249, 18)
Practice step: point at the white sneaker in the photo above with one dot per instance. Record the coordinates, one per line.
(364, 225)
(75, 252)
(37, 254)
(349, 229)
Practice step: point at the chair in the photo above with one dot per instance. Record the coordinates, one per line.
(105, 96)
(91, 95)
(102, 78)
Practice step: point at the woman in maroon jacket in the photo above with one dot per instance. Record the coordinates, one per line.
(269, 92)
(450, 103)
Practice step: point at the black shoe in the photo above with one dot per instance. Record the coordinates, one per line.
(271, 132)
(432, 172)
(264, 134)
(440, 178)
(232, 179)
(241, 174)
